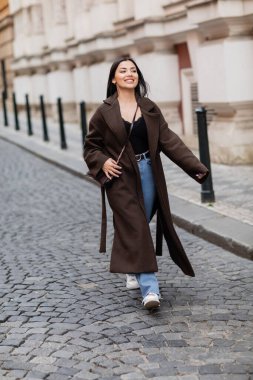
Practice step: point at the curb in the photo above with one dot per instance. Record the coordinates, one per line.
(223, 231)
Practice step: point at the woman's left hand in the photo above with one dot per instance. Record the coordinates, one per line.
(200, 175)
(111, 168)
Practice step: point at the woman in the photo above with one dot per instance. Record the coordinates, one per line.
(138, 190)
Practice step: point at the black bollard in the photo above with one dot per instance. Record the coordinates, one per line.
(5, 109)
(44, 119)
(28, 115)
(61, 121)
(207, 193)
(15, 109)
(83, 121)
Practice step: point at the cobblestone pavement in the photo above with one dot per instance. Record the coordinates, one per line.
(63, 316)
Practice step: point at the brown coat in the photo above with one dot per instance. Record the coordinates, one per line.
(133, 249)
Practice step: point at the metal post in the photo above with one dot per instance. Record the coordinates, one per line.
(83, 120)
(4, 78)
(28, 115)
(207, 192)
(15, 109)
(5, 109)
(44, 119)
(61, 121)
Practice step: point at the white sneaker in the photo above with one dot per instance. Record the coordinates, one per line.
(131, 282)
(151, 301)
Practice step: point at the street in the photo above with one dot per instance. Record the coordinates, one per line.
(64, 316)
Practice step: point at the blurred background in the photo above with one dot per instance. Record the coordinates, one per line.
(191, 52)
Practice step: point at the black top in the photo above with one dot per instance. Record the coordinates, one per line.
(139, 135)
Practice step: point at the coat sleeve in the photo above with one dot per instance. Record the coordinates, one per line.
(94, 145)
(174, 148)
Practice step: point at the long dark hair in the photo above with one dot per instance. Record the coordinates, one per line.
(142, 87)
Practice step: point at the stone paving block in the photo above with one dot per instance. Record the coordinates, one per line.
(63, 354)
(6, 349)
(17, 374)
(209, 369)
(35, 375)
(85, 375)
(67, 371)
(237, 368)
(146, 366)
(123, 369)
(16, 365)
(132, 359)
(12, 342)
(132, 376)
(21, 350)
(106, 363)
(129, 345)
(56, 376)
(43, 360)
(150, 350)
(83, 343)
(162, 371)
(2, 372)
(47, 368)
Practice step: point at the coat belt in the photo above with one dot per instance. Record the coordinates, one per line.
(102, 248)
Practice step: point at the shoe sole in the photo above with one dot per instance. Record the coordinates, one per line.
(129, 287)
(152, 304)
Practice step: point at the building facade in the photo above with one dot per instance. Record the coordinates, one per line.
(6, 50)
(190, 51)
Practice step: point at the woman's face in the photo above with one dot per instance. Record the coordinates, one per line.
(126, 76)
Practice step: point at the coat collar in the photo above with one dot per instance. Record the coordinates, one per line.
(143, 102)
(115, 122)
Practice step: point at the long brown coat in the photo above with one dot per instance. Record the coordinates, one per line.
(133, 249)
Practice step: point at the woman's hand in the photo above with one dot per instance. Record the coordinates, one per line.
(200, 175)
(111, 169)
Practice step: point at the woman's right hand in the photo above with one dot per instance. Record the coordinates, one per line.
(111, 168)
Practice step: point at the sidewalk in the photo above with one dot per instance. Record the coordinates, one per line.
(228, 222)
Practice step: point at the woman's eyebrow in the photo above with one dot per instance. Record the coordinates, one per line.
(125, 68)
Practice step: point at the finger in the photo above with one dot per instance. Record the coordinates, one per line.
(115, 172)
(116, 169)
(117, 166)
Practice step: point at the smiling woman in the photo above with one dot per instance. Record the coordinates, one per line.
(139, 190)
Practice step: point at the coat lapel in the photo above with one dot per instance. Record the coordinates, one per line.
(114, 120)
(152, 122)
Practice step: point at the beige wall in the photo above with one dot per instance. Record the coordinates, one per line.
(6, 40)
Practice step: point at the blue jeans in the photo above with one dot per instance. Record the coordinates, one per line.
(147, 281)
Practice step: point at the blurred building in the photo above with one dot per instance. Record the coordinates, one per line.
(6, 51)
(190, 51)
